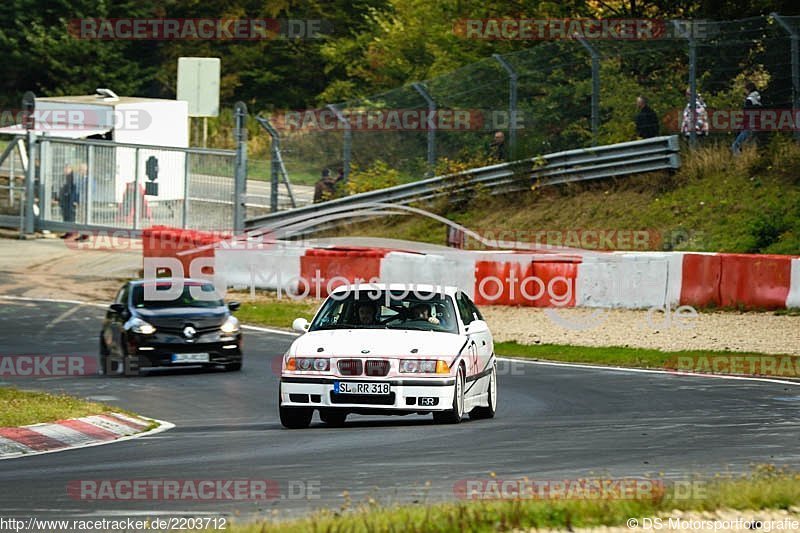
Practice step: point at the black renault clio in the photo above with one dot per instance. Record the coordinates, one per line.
(169, 322)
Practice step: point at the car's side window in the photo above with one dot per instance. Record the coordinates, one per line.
(464, 310)
(122, 295)
(472, 307)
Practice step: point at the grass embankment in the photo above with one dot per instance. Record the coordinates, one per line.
(715, 202)
(767, 488)
(20, 408)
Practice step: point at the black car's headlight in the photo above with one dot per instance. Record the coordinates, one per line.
(230, 326)
(140, 326)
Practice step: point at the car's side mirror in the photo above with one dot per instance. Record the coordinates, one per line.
(477, 326)
(234, 306)
(117, 308)
(300, 325)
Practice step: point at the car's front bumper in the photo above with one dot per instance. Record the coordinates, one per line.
(407, 395)
(158, 350)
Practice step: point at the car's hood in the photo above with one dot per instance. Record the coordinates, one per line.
(377, 343)
(178, 317)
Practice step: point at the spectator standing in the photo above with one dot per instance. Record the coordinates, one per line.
(497, 148)
(700, 116)
(646, 119)
(68, 198)
(751, 101)
(325, 188)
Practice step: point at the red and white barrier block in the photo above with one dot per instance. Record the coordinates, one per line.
(634, 280)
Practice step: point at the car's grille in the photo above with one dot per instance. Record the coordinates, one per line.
(179, 330)
(365, 399)
(377, 367)
(350, 367)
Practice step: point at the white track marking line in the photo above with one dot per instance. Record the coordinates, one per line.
(62, 316)
(648, 371)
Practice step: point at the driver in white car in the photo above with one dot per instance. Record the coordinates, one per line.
(423, 312)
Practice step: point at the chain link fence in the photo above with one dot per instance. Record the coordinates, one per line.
(556, 95)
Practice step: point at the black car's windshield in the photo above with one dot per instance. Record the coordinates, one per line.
(202, 295)
(380, 309)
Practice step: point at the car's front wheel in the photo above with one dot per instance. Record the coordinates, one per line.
(332, 417)
(456, 412)
(130, 363)
(233, 367)
(294, 417)
(489, 410)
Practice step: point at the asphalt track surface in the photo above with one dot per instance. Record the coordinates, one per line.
(553, 422)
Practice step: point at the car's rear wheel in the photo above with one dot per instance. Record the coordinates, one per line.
(103, 365)
(488, 411)
(294, 417)
(453, 415)
(332, 417)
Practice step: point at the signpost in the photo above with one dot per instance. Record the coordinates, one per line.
(198, 84)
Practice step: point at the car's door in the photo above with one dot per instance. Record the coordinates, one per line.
(470, 353)
(117, 320)
(479, 347)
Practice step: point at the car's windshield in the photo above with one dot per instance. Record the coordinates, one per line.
(380, 309)
(193, 295)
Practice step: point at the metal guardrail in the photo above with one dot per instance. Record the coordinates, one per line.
(635, 157)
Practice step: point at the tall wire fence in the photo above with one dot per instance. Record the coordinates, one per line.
(555, 95)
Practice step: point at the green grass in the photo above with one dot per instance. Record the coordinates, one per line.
(273, 312)
(20, 408)
(685, 360)
(715, 202)
(765, 488)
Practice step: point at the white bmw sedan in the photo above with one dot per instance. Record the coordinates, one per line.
(390, 350)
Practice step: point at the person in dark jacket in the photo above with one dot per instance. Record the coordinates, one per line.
(752, 101)
(325, 188)
(68, 197)
(497, 148)
(646, 119)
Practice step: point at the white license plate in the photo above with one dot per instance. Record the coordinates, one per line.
(353, 387)
(190, 358)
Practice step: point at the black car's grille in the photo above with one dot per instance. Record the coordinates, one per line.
(350, 367)
(377, 367)
(179, 330)
(365, 399)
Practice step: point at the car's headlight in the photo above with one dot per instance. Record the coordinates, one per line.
(319, 364)
(140, 326)
(231, 325)
(423, 366)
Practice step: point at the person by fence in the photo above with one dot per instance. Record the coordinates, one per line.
(646, 119)
(751, 101)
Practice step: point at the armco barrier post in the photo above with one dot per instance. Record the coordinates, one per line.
(240, 176)
(431, 130)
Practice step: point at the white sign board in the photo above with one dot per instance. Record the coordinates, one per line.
(198, 84)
